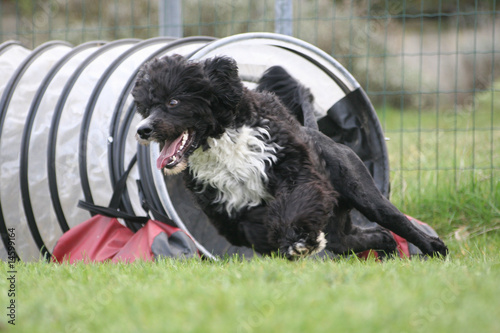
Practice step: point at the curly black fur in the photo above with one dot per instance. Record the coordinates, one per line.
(311, 183)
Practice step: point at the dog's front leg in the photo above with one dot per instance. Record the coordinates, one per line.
(297, 217)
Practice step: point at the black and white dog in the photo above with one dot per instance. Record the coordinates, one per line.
(263, 179)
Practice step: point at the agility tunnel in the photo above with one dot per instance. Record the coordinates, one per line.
(67, 130)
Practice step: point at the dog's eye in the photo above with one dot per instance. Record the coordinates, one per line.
(172, 103)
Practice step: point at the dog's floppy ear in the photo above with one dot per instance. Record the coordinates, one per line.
(227, 88)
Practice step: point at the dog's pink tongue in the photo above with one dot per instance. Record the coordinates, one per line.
(169, 150)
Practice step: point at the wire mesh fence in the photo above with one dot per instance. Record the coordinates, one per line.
(431, 69)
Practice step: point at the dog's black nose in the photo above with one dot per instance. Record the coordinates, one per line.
(144, 131)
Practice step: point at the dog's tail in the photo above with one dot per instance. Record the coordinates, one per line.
(296, 98)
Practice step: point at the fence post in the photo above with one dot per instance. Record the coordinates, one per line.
(283, 17)
(170, 18)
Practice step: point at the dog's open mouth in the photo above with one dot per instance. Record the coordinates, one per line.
(173, 151)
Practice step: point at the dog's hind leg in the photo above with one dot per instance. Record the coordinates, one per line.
(345, 238)
(297, 99)
(380, 210)
(357, 189)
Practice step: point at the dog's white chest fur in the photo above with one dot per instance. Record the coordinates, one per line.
(235, 165)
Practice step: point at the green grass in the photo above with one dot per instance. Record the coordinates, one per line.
(458, 294)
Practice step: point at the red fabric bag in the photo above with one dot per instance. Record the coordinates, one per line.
(97, 239)
(103, 237)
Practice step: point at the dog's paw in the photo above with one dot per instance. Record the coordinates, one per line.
(305, 247)
(435, 248)
(387, 241)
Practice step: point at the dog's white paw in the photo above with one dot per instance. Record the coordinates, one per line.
(300, 249)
